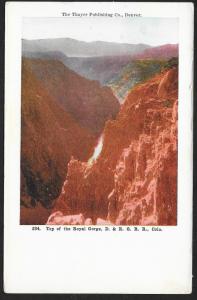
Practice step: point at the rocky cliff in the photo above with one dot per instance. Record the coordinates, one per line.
(48, 140)
(51, 134)
(133, 178)
(85, 100)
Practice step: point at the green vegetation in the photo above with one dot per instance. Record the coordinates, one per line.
(138, 71)
(135, 72)
(172, 62)
(149, 67)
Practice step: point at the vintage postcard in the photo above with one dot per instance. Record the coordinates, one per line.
(98, 147)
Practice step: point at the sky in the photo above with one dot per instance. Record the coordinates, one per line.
(152, 31)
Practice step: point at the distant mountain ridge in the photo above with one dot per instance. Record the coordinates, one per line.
(54, 55)
(159, 52)
(72, 47)
(120, 72)
(101, 68)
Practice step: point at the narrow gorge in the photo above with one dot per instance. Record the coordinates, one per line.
(98, 133)
(133, 179)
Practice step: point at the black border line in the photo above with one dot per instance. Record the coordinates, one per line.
(95, 296)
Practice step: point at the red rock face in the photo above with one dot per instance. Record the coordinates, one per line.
(87, 102)
(53, 98)
(134, 179)
(48, 139)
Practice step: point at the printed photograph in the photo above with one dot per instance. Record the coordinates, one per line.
(99, 121)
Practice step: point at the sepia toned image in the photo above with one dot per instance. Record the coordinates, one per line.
(99, 121)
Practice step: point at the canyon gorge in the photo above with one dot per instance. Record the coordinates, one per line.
(99, 136)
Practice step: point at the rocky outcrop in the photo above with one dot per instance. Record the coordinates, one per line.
(134, 178)
(58, 218)
(145, 176)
